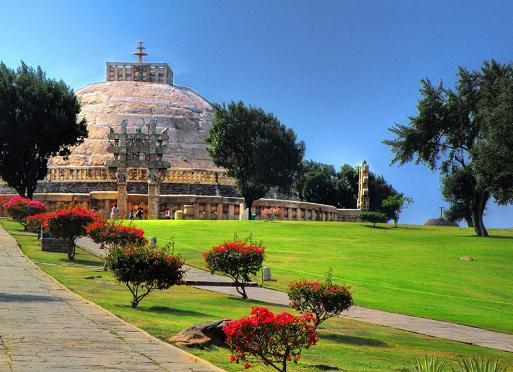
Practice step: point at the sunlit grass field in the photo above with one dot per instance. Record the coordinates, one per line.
(347, 344)
(414, 270)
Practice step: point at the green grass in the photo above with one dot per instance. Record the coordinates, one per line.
(348, 344)
(413, 270)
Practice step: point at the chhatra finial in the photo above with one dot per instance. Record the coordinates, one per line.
(140, 53)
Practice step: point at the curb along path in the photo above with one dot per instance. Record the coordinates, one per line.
(45, 327)
(427, 327)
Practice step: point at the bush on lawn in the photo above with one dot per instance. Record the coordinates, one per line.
(322, 299)
(474, 364)
(237, 259)
(67, 224)
(143, 269)
(372, 217)
(19, 208)
(112, 234)
(269, 338)
(270, 214)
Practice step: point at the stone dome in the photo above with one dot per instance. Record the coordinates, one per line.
(186, 114)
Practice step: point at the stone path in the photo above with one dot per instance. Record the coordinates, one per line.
(45, 327)
(428, 327)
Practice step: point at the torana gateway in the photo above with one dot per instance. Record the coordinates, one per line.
(139, 99)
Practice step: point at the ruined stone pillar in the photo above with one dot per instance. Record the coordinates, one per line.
(231, 212)
(298, 214)
(153, 200)
(220, 211)
(122, 200)
(208, 211)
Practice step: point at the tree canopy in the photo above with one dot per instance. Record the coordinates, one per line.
(257, 150)
(465, 130)
(38, 119)
(320, 183)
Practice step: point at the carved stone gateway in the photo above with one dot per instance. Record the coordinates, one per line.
(142, 149)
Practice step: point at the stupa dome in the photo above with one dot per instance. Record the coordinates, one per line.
(182, 111)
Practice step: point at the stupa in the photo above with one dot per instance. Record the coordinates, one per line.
(136, 93)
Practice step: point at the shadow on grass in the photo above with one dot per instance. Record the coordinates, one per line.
(488, 237)
(250, 302)
(170, 311)
(379, 227)
(353, 340)
(83, 262)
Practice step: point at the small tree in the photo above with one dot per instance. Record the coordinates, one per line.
(144, 269)
(113, 234)
(322, 299)
(372, 217)
(19, 208)
(393, 205)
(236, 259)
(272, 339)
(255, 148)
(67, 224)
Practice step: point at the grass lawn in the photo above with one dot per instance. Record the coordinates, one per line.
(348, 344)
(413, 270)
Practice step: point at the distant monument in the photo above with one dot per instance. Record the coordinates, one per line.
(363, 202)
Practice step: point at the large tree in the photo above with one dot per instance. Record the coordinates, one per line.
(318, 183)
(466, 130)
(38, 119)
(458, 191)
(257, 150)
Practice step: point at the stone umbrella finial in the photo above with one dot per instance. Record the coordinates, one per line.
(140, 46)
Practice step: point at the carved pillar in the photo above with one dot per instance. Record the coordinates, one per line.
(153, 200)
(208, 211)
(122, 200)
(298, 214)
(231, 212)
(220, 211)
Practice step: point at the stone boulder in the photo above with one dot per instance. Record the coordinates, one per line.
(201, 335)
(440, 222)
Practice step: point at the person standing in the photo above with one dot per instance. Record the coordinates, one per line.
(114, 212)
(139, 214)
(131, 214)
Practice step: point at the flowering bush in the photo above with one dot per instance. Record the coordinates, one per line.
(270, 214)
(66, 224)
(322, 299)
(113, 234)
(273, 339)
(238, 259)
(19, 208)
(144, 269)
(3, 200)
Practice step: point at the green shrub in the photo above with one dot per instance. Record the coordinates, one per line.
(143, 269)
(322, 299)
(477, 364)
(429, 364)
(372, 217)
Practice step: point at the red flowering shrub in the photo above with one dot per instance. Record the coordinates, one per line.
(270, 214)
(3, 199)
(272, 339)
(113, 234)
(19, 208)
(144, 269)
(322, 299)
(236, 259)
(67, 224)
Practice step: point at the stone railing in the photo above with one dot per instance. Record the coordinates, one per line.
(173, 175)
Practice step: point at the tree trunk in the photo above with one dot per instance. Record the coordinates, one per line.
(478, 207)
(249, 205)
(482, 206)
(468, 220)
(71, 250)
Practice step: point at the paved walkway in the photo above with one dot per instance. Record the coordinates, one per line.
(45, 327)
(428, 327)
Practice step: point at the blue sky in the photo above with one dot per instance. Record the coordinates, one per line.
(338, 72)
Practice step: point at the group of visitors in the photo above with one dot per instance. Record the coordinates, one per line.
(137, 215)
